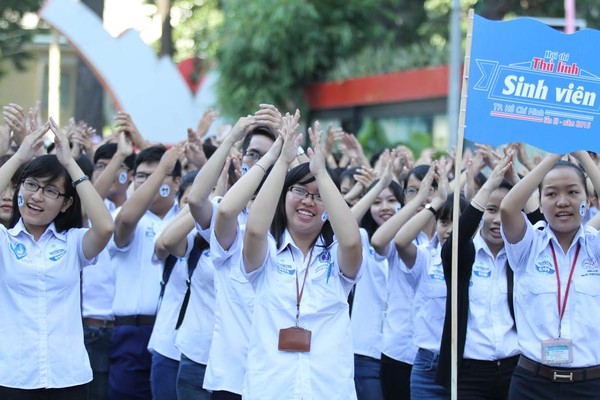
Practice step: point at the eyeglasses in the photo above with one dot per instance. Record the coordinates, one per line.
(253, 154)
(101, 167)
(412, 191)
(301, 193)
(48, 191)
(140, 177)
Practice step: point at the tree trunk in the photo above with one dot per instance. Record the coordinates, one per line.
(89, 97)
(166, 37)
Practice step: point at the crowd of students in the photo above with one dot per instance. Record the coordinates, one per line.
(248, 265)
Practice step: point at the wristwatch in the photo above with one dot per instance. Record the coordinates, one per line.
(429, 207)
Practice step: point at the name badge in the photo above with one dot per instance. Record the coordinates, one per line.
(557, 351)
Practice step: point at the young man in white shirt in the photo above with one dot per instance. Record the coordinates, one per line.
(137, 275)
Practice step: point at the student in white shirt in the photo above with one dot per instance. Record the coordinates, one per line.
(112, 174)
(368, 298)
(300, 342)
(557, 283)
(42, 350)
(423, 264)
(193, 338)
(486, 335)
(137, 272)
(222, 370)
(399, 351)
(6, 197)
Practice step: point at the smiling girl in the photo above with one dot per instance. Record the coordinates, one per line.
(42, 349)
(301, 271)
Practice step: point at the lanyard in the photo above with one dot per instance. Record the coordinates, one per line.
(561, 309)
(300, 291)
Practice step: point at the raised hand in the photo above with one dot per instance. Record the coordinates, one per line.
(241, 128)
(291, 141)
(169, 159)
(269, 115)
(194, 151)
(316, 153)
(125, 123)
(204, 124)
(61, 144)
(14, 117)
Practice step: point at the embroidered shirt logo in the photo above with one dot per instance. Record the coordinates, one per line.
(436, 272)
(482, 271)
(325, 256)
(285, 267)
(19, 250)
(55, 255)
(544, 267)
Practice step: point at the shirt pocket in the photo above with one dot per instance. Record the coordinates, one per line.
(327, 294)
(538, 298)
(240, 289)
(587, 300)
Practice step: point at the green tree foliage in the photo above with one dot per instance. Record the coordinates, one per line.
(12, 35)
(271, 49)
(196, 34)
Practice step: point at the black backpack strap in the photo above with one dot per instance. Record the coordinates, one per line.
(168, 266)
(192, 262)
(510, 283)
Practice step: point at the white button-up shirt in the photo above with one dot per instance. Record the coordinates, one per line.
(491, 333)
(370, 302)
(194, 336)
(429, 304)
(162, 339)
(327, 371)
(233, 318)
(41, 333)
(98, 288)
(398, 324)
(536, 302)
(137, 272)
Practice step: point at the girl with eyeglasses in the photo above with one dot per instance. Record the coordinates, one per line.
(42, 348)
(302, 253)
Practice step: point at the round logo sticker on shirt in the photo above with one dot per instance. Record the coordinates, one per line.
(20, 199)
(164, 190)
(122, 177)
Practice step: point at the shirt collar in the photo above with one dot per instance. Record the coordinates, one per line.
(480, 245)
(549, 235)
(287, 240)
(20, 228)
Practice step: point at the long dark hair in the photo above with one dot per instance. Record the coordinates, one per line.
(367, 222)
(48, 168)
(300, 174)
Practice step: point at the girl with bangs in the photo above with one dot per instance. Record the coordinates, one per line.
(302, 270)
(42, 351)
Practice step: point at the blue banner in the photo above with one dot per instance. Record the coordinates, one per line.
(530, 83)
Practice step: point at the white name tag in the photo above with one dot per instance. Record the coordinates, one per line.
(557, 351)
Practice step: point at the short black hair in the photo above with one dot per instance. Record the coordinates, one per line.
(445, 212)
(263, 130)
(152, 155)
(108, 150)
(186, 181)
